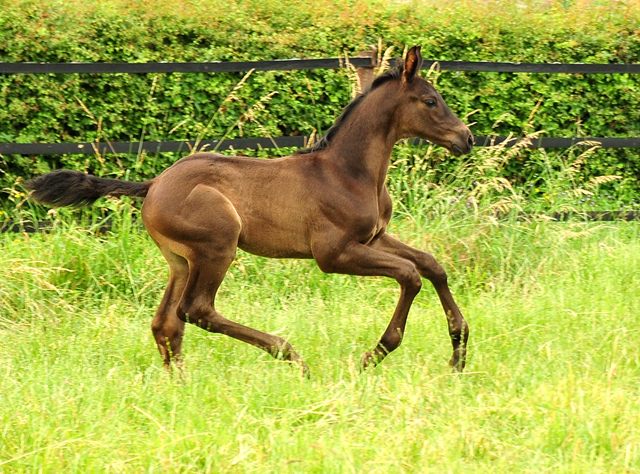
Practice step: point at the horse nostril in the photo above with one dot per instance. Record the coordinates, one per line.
(470, 141)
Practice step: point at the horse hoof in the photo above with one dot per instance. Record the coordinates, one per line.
(306, 373)
(368, 360)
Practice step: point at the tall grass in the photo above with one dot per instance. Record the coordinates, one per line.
(552, 375)
(553, 369)
(551, 383)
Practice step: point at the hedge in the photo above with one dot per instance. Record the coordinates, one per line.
(121, 107)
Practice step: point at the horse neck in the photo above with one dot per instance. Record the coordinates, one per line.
(364, 142)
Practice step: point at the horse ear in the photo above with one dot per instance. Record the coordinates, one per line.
(412, 63)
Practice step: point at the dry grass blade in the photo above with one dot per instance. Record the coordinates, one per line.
(250, 115)
(354, 78)
(95, 145)
(233, 95)
(599, 180)
(384, 59)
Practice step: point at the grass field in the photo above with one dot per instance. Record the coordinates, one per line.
(552, 381)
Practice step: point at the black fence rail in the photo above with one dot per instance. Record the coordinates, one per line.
(307, 64)
(210, 67)
(149, 146)
(366, 62)
(275, 142)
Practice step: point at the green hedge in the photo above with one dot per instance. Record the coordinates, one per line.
(121, 107)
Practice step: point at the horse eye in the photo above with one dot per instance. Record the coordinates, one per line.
(430, 103)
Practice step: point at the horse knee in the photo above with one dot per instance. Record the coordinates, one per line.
(431, 269)
(409, 279)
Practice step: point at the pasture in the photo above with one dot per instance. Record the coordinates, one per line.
(551, 383)
(553, 367)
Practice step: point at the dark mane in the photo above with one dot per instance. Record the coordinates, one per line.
(324, 142)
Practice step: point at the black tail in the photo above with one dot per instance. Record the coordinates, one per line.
(73, 188)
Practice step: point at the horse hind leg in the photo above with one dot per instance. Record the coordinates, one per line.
(168, 325)
(207, 241)
(207, 268)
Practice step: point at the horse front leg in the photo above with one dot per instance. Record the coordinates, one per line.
(430, 269)
(359, 259)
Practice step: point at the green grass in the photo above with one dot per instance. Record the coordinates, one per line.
(553, 373)
(551, 383)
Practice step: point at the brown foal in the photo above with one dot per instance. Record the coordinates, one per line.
(328, 202)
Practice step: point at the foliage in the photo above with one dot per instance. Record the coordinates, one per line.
(64, 108)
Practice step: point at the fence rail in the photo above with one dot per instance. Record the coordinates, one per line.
(89, 148)
(306, 64)
(364, 63)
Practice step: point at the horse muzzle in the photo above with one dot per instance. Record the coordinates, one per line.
(462, 145)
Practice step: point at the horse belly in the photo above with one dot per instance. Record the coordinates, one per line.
(268, 241)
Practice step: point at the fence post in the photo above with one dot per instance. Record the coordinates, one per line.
(365, 74)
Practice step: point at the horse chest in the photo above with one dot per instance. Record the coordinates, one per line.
(371, 224)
